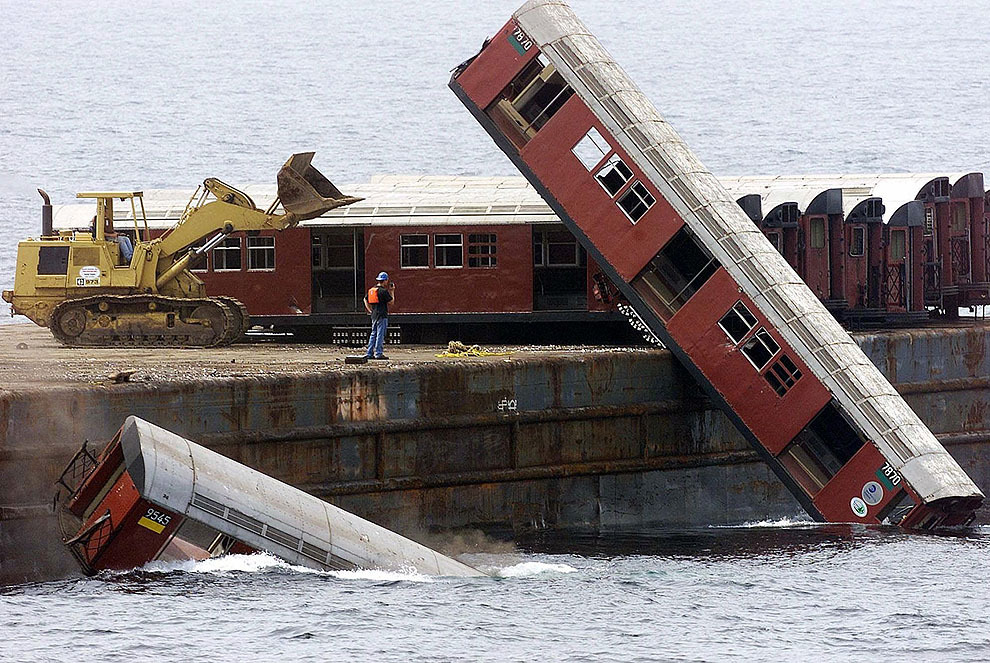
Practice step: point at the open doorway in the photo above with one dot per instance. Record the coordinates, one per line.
(560, 271)
(338, 269)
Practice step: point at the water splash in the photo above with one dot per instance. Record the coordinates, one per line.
(254, 563)
(264, 562)
(778, 523)
(527, 569)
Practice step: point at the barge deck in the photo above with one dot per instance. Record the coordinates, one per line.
(588, 439)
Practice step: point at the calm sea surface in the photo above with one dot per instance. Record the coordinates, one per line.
(114, 95)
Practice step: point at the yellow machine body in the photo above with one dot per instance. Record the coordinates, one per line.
(77, 283)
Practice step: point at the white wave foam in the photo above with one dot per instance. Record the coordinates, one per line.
(525, 569)
(378, 575)
(253, 563)
(263, 562)
(777, 523)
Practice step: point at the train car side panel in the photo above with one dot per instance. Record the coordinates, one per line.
(756, 371)
(503, 55)
(435, 271)
(627, 246)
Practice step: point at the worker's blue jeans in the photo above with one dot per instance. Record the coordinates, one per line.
(376, 342)
(126, 248)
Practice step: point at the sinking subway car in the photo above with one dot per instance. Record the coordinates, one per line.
(152, 495)
(704, 279)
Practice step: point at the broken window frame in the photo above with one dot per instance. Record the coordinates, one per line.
(822, 449)
(751, 349)
(644, 201)
(655, 277)
(614, 175)
(515, 101)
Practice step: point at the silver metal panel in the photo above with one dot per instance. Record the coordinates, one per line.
(175, 473)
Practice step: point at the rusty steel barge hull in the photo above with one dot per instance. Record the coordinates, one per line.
(582, 440)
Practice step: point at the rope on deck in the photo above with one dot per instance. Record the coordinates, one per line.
(457, 349)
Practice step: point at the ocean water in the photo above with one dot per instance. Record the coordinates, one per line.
(116, 95)
(104, 94)
(784, 591)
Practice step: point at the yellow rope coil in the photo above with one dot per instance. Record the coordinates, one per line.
(457, 349)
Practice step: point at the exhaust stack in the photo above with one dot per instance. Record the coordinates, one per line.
(47, 227)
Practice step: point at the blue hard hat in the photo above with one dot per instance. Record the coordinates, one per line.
(383, 276)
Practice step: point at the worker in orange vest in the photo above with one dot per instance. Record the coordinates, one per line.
(376, 304)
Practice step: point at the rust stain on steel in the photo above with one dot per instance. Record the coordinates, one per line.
(977, 415)
(372, 427)
(281, 397)
(4, 419)
(360, 398)
(975, 355)
(599, 374)
(497, 476)
(891, 360)
(942, 386)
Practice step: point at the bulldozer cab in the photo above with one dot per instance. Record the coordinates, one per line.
(104, 212)
(304, 191)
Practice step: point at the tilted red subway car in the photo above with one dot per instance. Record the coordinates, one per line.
(705, 279)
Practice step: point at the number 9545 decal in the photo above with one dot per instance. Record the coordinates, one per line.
(155, 520)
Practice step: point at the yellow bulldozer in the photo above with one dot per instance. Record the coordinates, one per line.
(81, 285)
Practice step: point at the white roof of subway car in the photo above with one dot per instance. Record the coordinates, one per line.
(895, 189)
(389, 200)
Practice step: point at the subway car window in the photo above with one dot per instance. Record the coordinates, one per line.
(591, 149)
(818, 233)
(613, 175)
(680, 268)
(414, 251)
(857, 245)
(530, 100)
(760, 349)
(898, 245)
(737, 322)
(448, 250)
(783, 375)
(482, 250)
(227, 256)
(636, 201)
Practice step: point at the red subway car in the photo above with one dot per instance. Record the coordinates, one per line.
(878, 250)
(704, 279)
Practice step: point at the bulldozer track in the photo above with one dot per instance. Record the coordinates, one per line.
(240, 311)
(148, 321)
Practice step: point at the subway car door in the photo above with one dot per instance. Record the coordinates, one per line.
(816, 256)
(338, 269)
(897, 271)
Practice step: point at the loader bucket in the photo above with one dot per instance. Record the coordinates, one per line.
(305, 192)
